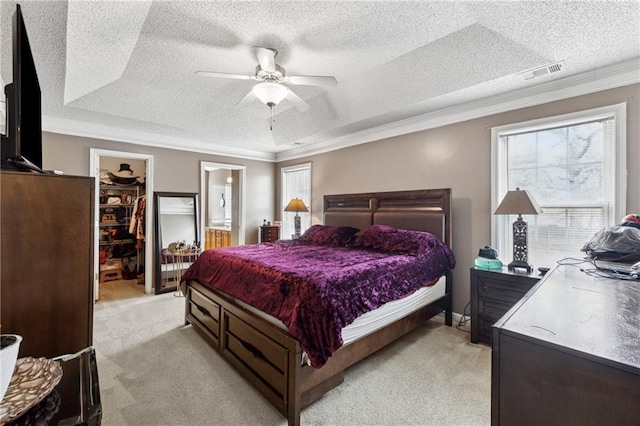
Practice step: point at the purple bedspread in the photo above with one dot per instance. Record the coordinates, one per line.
(317, 290)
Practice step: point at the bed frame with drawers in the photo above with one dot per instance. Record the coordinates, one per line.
(272, 360)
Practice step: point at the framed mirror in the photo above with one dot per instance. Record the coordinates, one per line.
(177, 237)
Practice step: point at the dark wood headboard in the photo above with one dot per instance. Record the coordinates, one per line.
(420, 210)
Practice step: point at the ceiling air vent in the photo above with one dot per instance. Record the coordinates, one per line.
(539, 72)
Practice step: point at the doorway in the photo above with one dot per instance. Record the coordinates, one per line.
(222, 189)
(123, 243)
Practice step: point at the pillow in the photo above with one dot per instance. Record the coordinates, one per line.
(392, 240)
(329, 235)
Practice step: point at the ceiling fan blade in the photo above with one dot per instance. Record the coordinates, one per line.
(313, 80)
(266, 58)
(297, 101)
(247, 100)
(224, 75)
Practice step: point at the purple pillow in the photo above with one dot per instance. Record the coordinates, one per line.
(392, 240)
(329, 235)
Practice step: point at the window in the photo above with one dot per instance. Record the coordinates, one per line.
(296, 183)
(574, 166)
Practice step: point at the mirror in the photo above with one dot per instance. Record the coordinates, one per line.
(177, 239)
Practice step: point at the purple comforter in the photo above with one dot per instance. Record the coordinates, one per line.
(317, 290)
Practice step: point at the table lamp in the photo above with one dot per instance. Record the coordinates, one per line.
(296, 205)
(519, 202)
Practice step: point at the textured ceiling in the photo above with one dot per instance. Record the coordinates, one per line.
(127, 70)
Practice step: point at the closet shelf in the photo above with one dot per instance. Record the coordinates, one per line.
(132, 187)
(115, 243)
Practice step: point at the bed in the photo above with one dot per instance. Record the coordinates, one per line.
(291, 374)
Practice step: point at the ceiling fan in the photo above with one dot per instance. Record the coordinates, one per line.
(272, 77)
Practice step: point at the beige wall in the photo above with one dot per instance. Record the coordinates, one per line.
(457, 156)
(174, 171)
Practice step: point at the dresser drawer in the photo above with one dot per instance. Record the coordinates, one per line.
(265, 358)
(205, 311)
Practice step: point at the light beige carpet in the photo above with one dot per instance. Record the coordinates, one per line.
(153, 370)
(120, 289)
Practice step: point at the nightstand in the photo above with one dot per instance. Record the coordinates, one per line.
(493, 293)
(269, 234)
(76, 398)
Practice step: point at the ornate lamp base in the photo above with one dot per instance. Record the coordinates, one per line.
(520, 250)
(296, 225)
(519, 264)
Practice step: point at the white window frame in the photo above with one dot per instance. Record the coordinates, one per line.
(498, 169)
(304, 217)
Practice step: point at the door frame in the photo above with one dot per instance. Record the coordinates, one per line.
(94, 171)
(206, 166)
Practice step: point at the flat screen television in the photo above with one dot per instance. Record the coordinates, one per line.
(21, 147)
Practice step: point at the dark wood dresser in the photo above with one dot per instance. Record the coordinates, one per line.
(47, 271)
(269, 234)
(493, 293)
(569, 353)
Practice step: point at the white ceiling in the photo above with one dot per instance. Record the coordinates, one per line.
(126, 70)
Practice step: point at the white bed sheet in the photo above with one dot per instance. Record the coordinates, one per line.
(392, 311)
(374, 320)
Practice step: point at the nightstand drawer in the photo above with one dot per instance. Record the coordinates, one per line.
(507, 291)
(484, 329)
(493, 309)
(269, 234)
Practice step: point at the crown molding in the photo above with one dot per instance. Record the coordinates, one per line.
(618, 75)
(98, 131)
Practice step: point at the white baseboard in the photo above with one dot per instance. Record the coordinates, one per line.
(455, 316)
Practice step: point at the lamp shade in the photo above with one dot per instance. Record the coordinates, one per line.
(296, 205)
(270, 93)
(518, 202)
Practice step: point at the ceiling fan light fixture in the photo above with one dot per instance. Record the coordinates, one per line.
(270, 93)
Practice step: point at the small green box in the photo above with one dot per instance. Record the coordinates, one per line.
(484, 263)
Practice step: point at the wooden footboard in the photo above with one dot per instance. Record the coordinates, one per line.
(271, 360)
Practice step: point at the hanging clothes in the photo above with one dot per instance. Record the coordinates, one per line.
(137, 224)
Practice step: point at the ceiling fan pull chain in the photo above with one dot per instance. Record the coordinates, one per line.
(271, 117)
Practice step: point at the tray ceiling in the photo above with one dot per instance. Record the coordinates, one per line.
(127, 70)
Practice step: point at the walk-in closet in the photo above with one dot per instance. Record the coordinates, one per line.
(122, 215)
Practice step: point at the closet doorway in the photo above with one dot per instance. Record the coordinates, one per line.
(222, 189)
(123, 240)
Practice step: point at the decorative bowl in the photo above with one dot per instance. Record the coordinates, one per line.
(9, 346)
(33, 380)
